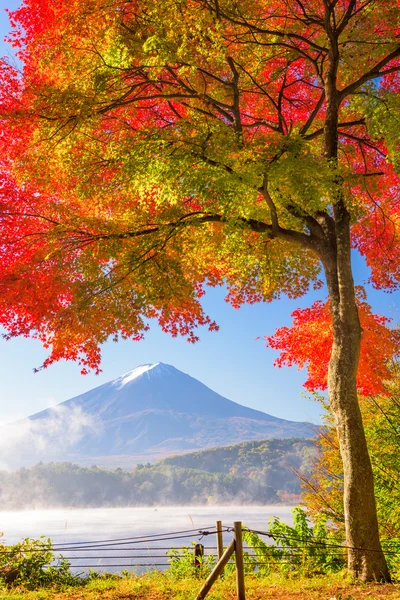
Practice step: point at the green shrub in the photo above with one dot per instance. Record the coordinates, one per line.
(301, 548)
(182, 563)
(32, 563)
(391, 549)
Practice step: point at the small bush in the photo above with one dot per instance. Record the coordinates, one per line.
(32, 563)
(391, 549)
(182, 563)
(298, 549)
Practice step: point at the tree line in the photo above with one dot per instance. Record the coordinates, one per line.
(247, 473)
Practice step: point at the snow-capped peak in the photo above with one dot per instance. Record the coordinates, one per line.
(136, 372)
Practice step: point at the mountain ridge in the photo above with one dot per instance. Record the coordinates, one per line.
(151, 412)
(162, 367)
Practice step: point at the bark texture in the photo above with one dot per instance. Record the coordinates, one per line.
(365, 557)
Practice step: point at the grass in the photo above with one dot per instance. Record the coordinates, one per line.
(161, 586)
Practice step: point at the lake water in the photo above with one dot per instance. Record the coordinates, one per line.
(130, 538)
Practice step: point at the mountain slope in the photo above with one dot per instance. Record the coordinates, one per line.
(272, 462)
(148, 413)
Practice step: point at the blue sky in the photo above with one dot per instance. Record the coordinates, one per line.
(231, 361)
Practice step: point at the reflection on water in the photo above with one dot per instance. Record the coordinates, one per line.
(64, 526)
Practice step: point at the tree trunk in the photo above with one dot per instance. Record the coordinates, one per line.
(365, 558)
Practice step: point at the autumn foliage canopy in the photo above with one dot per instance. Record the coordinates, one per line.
(308, 343)
(150, 149)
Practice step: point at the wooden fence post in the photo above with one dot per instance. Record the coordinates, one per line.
(198, 555)
(240, 589)
(219, 567)
(220, 542)
(235, 547)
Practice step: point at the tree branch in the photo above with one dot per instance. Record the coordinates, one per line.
(271, 206)
(373, 73)
(320, 131)
(313, 114)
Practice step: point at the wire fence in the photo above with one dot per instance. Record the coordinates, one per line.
(142, 551)
(310, 543)
(158, 551)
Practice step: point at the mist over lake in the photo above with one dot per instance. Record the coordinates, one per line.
(69, 526)
(73, 525)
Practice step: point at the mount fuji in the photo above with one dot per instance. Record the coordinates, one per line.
(149, 413)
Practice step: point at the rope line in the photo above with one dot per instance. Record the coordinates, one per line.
(107, 545)
(123, 565)
(136, 549)
(315, 543)
(139, 537)
(174, 558)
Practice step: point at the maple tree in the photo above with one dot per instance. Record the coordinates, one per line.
(151, 149)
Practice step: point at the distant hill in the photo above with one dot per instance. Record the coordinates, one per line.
(270, 462)
(149, 413)
(247, 473)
